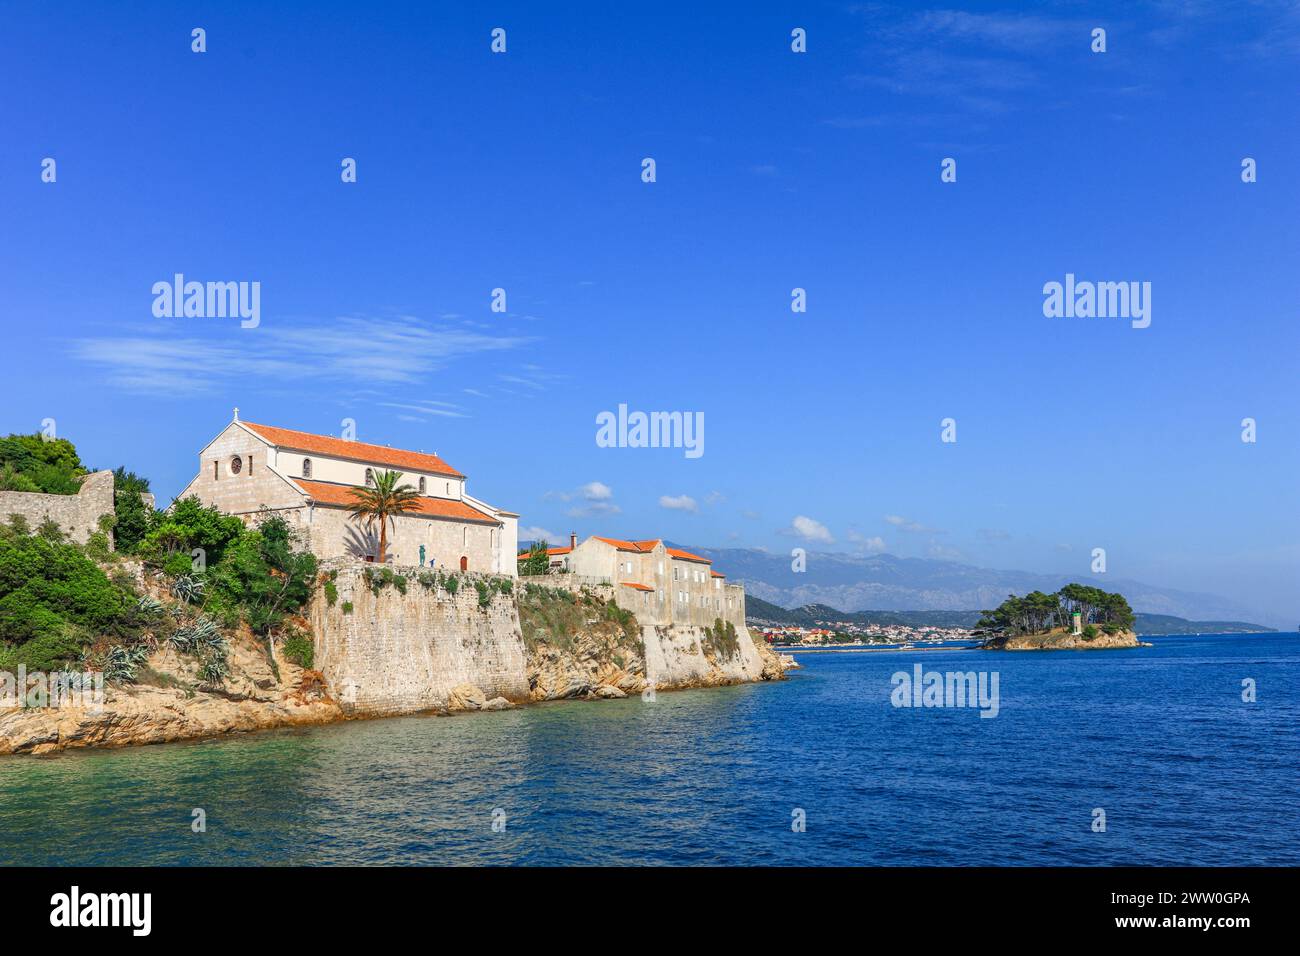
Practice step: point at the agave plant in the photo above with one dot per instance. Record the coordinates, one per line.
(122, 662)
(148, 606)
(202, 634)
(187, 588)
(215, 668)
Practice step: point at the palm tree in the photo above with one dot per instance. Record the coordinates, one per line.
(382, 503)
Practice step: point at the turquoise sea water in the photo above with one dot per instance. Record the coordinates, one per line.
(1159, 738)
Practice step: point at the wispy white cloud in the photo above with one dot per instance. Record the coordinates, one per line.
(372, 352)
(427, 409)
(872, 544)
(534, 533)
(679, 503)
(913, 527)
(596, 497)
(809, 529)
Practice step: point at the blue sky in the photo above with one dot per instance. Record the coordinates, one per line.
(775, 170)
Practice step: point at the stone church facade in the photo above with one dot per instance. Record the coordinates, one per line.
(306, 478)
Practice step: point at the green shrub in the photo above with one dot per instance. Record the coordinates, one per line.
(721, 639)
(263, 576)
(1090, 632)
(54, 599)
(131, 517)
(300, 649)
(35, 463)
(484, 593)
(331, 593)
(186, 526)
(452, 584)
(399, 582)
(347, 607)
(97, 546)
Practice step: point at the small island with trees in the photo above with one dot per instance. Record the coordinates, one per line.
(1077, 617)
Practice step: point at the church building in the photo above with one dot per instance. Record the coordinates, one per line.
(307, 478)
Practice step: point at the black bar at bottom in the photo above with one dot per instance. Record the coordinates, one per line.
(351, 903)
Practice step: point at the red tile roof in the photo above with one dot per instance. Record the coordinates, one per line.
(329, 494)
(355, 450)
(639, 547)
(524, 554)
(717, 574)
(639, 587)
(687, 556)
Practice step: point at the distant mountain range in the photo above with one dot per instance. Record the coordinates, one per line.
(810, 614)
(887, 583)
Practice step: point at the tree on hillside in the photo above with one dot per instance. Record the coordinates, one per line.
(36, 463)
(132, 517)
(187, 525)
(383, 502)
(538, 561)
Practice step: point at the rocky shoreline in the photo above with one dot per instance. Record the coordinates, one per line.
(594, 665)
(1062, 640)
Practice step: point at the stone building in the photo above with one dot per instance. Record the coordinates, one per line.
(659, 583)
(249, 468)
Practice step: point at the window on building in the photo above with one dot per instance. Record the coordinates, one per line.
(370, 478)
(306, 467)
(236, 465)
(216, 470)
(250, 466)
(449, 489)
(421, 486)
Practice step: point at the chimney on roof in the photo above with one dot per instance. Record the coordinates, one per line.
(573, 540)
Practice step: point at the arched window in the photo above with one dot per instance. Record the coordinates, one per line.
(236, 464)
(306, 467)
(464, 563)
(370, 478)
(421, 486)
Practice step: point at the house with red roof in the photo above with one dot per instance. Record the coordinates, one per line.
(659, 583)
(249, 469)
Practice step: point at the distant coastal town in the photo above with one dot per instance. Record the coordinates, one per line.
(831, 632)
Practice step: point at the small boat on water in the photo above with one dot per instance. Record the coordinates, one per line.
(905, 646)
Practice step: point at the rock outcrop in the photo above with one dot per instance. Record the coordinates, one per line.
(579, 646)
(177, 706)
(1062, 640)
